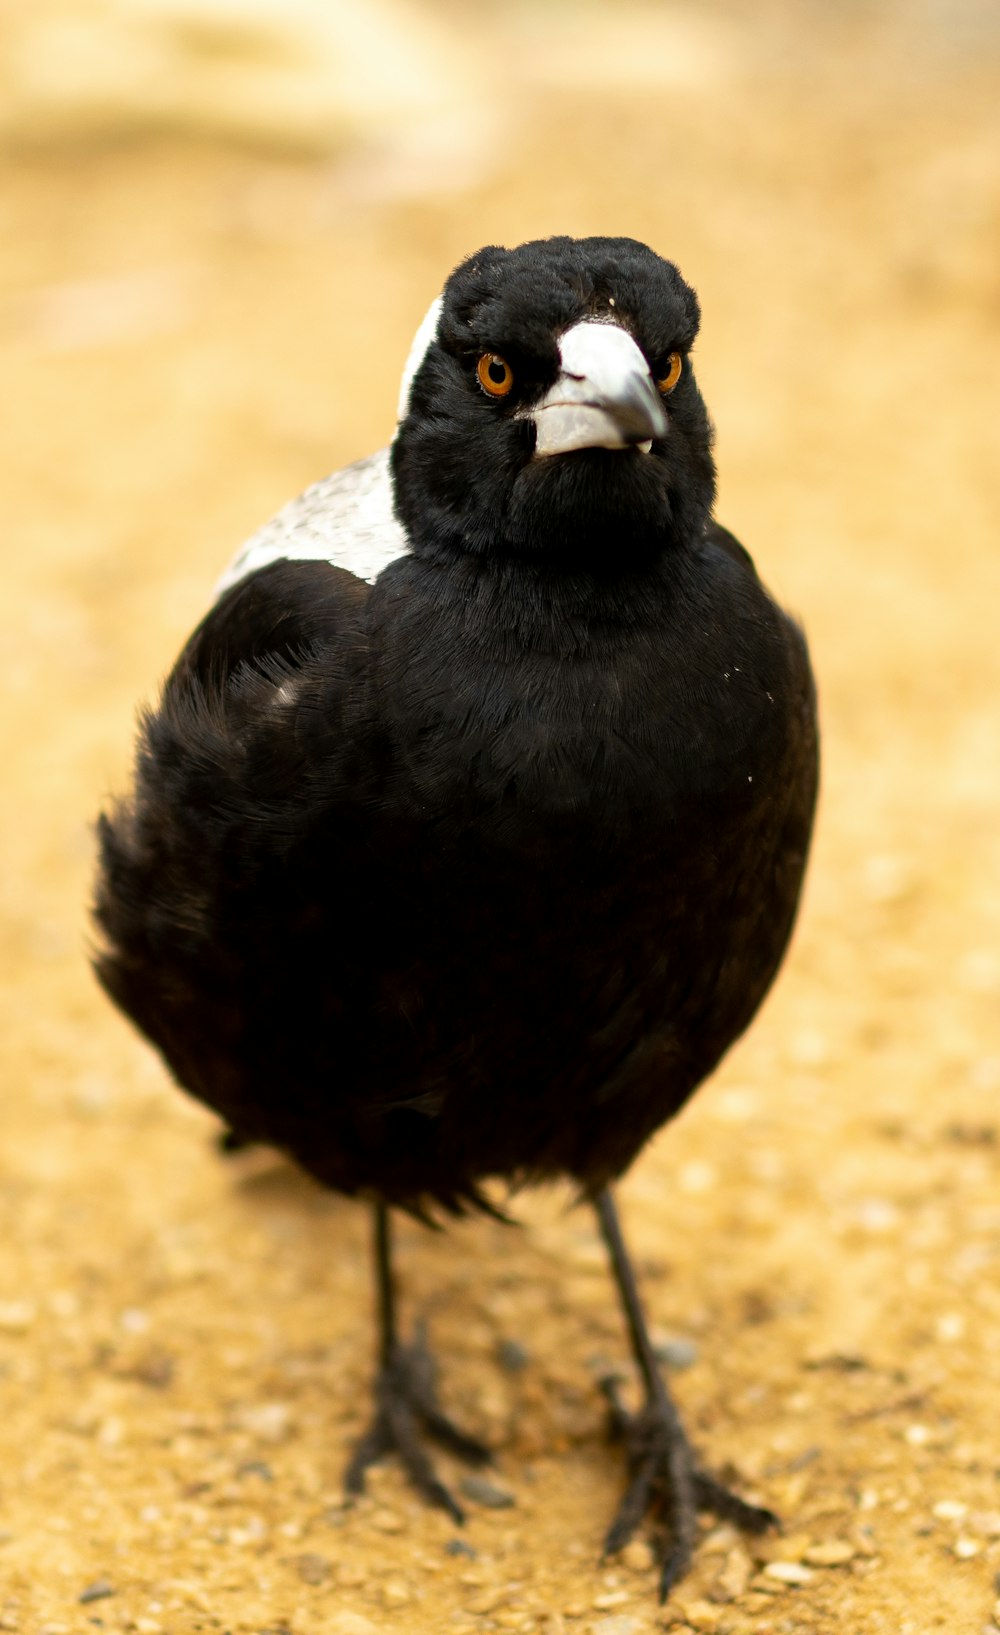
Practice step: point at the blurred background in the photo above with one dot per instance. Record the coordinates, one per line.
(220, 223)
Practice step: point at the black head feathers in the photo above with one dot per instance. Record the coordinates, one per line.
(590, 324)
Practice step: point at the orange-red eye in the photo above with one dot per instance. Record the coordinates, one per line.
(495, 374)
(667, 382)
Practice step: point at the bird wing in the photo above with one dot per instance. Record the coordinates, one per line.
(346, 519)
(268, 693)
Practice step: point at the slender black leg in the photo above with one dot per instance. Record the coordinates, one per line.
(406, 1404)
(662, 1469)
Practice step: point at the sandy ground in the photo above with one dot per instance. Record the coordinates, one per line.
(192, 329)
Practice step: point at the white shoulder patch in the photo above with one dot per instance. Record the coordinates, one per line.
(419, 347)
(345, 519)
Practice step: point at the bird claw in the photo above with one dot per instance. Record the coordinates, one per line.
(406, 1407)
(664, 1474)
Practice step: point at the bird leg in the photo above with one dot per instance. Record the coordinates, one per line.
(406, 1403)
(663, 1471)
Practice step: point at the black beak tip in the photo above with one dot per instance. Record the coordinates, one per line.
(639, 422)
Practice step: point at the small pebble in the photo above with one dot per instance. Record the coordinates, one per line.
(99, 1590)
(638, 1556)
(809, 1048)
(979, 971)
(349, 1575)
(156, 1369)
(833, 1552)
(620, 1624)
(888, 878)
(787, 1572)
(350, 1623)
(950, 1510)
(696, 1177)
(482, 1491)
(513, 1356)
(788, 1547)
(458, 1547)
(720, 1540)
(733, 1577)
(613, 1598)
(111, 1432)
(16, 1316)
(395, 1593)
(950, 1326)
(270, 1421)
(701, 1615)
(586, 1255)
(966, 1548)
(386, 1521)
(755, 1603)
(877, 1216)
(487, 1602)
(313, 1569)
(253, 1533)
(63, 1303)
(256, 1467)
(675, 1352)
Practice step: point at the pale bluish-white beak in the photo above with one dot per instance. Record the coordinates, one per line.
(604, 396)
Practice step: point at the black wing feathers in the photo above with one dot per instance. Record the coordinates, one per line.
(259, 698)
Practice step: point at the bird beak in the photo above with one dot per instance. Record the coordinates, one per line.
(604, 396)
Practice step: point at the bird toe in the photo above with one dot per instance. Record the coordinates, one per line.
(665, 1479)
(407, 1410)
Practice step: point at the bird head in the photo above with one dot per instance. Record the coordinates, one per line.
(549, 407)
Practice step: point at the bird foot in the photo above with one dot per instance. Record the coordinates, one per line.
(406, 1407)
(664, 1474)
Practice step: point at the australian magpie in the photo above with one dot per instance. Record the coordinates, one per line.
(469, 829)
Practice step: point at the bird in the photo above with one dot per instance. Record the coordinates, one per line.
(468, 830)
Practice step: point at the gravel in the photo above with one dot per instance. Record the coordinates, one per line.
(482, 1491)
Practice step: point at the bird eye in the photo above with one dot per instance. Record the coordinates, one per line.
(495, 374)
(668, 380)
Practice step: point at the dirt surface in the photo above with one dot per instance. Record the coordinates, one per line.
(191, 330)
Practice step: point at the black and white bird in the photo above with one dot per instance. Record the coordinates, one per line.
(469, 829)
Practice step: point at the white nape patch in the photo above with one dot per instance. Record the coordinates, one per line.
(418, 351)
(346, 519)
